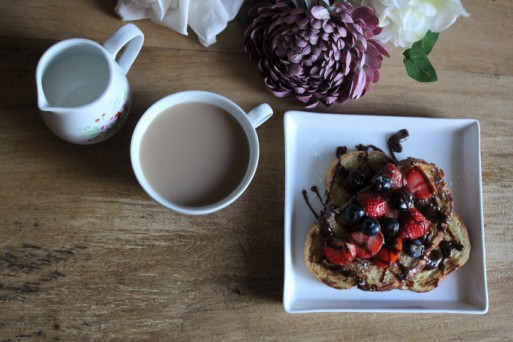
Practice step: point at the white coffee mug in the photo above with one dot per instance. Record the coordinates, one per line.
(83, 92)
(248, 122)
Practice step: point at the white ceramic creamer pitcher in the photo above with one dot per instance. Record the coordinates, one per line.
(83, 91)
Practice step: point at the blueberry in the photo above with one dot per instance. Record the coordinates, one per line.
(370, 226)
(402, 200)
(382, 183)
(389, 226)
(415, 249)
(356, 180)
(353, 213)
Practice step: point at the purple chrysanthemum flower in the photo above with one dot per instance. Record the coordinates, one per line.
(323, 53)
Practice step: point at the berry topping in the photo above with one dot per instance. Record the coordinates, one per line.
(339, 252)
(353, 214)
(389, 253)
(418, 183)
(366, 246)
(374, 205)
(382, 183)
(401, 200)
(415, 249)
(389, 226)
(355, 181)
(413, 224)
(394, 174)
(370, 226)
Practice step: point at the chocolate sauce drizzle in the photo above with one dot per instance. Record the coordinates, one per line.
(366, 148)
(394, 142)
(307, 200)
(341, 150)
(436, 259)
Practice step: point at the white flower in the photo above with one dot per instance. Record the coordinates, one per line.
(407, 21)
(207, 18)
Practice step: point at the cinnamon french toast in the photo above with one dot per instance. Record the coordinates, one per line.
(382, 224)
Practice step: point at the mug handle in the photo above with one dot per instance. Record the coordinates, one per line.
(129, 35)
(260, 114)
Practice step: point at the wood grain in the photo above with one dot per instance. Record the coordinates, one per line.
(86, 255)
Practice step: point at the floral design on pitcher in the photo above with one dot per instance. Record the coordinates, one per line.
(106, 124)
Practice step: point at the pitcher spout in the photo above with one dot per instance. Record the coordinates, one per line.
(42, 102)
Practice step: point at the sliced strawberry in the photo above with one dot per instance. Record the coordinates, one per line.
(418, 183)
(392, 171)
(392, 212)
(413, 224)
(367, 246)
(390, 252)
(338, 251)
(374, 205)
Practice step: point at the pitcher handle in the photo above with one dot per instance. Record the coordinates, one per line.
(129, 35)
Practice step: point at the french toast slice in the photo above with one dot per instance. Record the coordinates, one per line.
(360, 272)
(334, 276)
(402, 271)
(452, 253)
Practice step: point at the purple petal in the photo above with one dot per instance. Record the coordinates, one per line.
(369, 74)
(299, 90)
(319, 12)
(338, 77)
(336, 54)
(312, 104)
(304, 98)
(360, 85)
(294, 69)
(296, 58)
(362, 13)
(373, 61)
(346, 17)
(372, 50)
(342, 31)
(376, 76)
(328, 27)
(316, 24)
(329, 100)
(381, 48)
(280, 93)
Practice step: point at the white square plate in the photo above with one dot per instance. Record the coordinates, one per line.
(311, 140)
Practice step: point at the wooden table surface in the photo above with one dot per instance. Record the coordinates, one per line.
(85, 254)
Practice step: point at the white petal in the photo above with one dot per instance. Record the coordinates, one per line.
(209, 18)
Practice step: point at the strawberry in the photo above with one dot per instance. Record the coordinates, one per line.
(391, 171)
(389, 253)
(339, 252)
(391, 212)
(367, 246)
(374, 205)
(413, 224)
(418, 183)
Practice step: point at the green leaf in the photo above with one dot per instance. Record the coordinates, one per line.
(418, 65)
(416, 58)
(427, 43)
